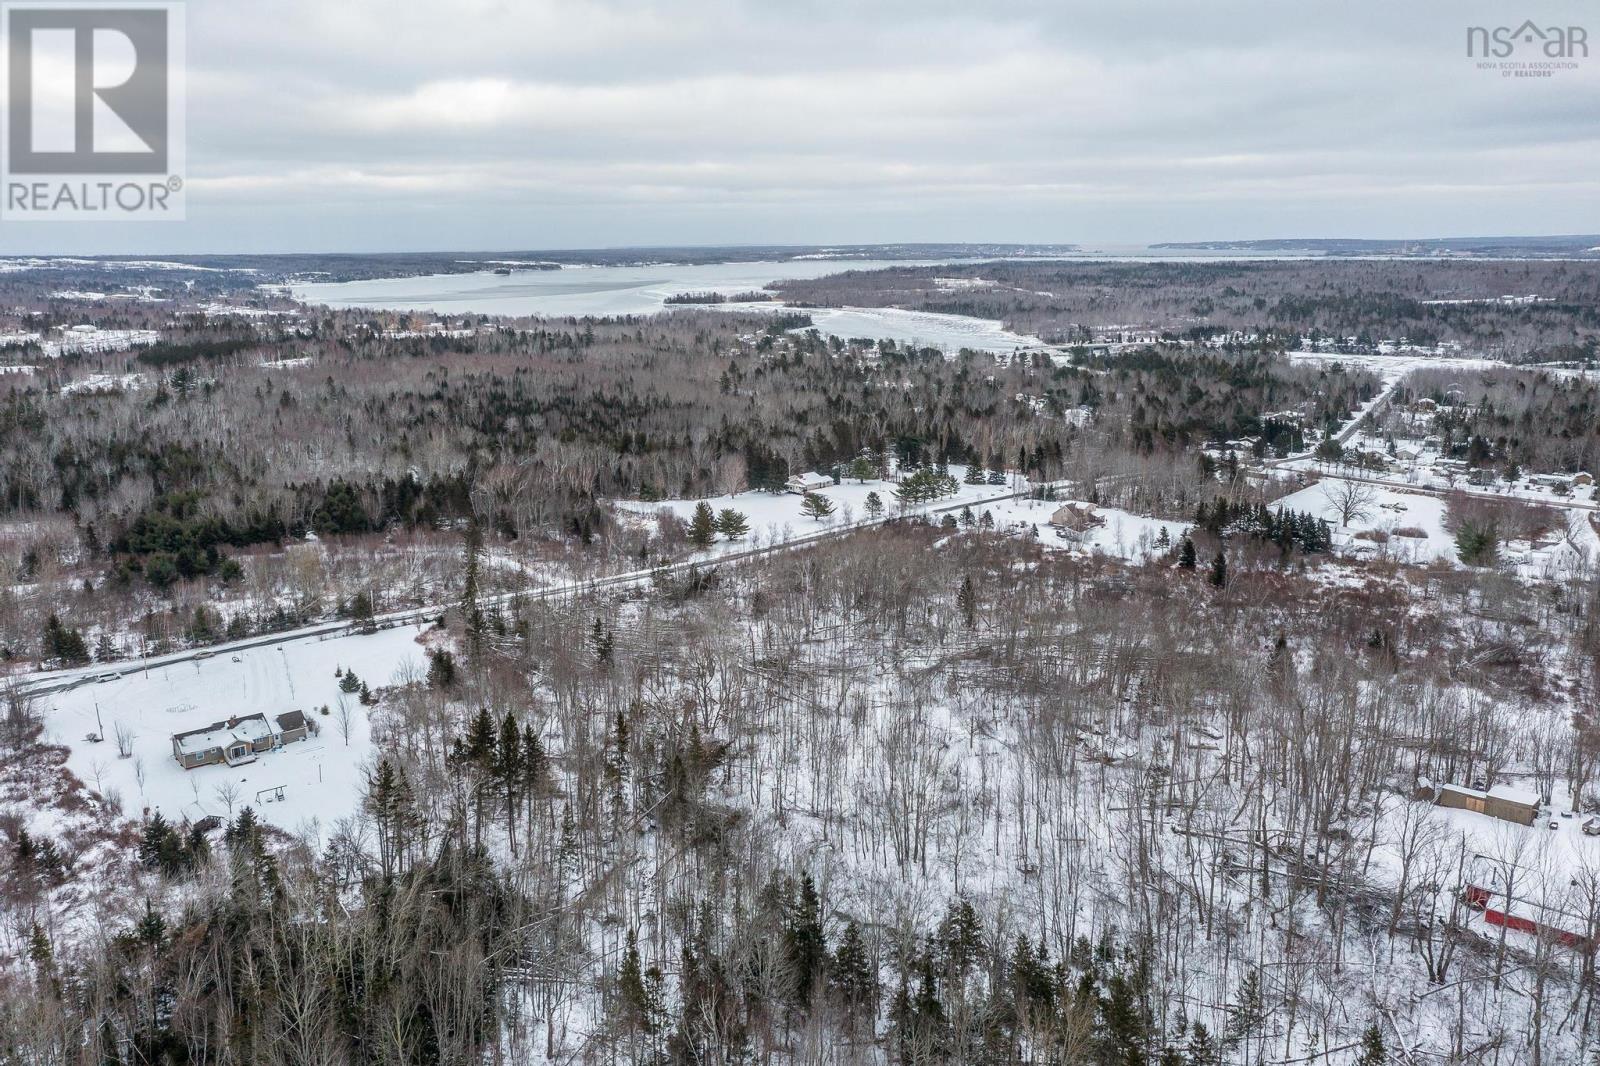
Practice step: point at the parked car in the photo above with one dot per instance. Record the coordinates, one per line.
(1591, 827)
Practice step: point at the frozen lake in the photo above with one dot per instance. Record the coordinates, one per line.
(643, 290)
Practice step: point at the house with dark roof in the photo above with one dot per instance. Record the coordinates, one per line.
(238, 740)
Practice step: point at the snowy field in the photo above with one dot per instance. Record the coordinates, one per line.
(775, 517)
(1409, 527)
(320, 776)
(923, 328)
(1393, 367)
(1123, 534)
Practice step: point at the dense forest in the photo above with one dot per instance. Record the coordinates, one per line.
(919, 788)
(972, 805)
(1424, 303)
(215, 448)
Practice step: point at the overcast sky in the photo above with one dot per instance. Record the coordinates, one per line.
(502, 124)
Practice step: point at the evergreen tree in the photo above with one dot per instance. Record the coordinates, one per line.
(602, 642)
(1186, 554)
(639, 989)
(816, 506)
(441, 669)
(392, 806)
(853, 977)
(1202, 1049)
(254, 873)
(732, 524)
(703, 526)
(806, 945)
(472, 559)
(1219, 569)
(961, 935)
(1247, 1014)
(1125, 1035)
(874, 505)
(967, 602)
(1373, 1053)
(64, 643)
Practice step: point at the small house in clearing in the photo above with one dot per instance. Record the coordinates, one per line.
(1074, 521)
(800, 484)
(238, 740)
(1507, 804)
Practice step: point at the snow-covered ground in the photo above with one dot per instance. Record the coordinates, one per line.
(1393, 367)
(1409, 527)
(923, 328)
(1122, 534)
(88, 340)
(1548, 860)
(320, 776)
(104, 383)
(775, 518)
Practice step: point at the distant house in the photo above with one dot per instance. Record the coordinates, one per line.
(1526, 916)
(1529, 908)
(1582, 479)
(1075, 521)
(1507, 804)
(800, 484)
(236, 741)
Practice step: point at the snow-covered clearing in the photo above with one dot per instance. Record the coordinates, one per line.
(320, 776)
(775, 517)
(104, 383)
(1409, 527)
(1394, 367)
(1122, 534)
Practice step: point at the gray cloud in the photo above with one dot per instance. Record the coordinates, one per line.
(368, 125)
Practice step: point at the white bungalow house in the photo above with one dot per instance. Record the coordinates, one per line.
(801, 484)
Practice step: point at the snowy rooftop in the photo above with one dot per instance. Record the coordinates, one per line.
(248, 729)
(1500, 792)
